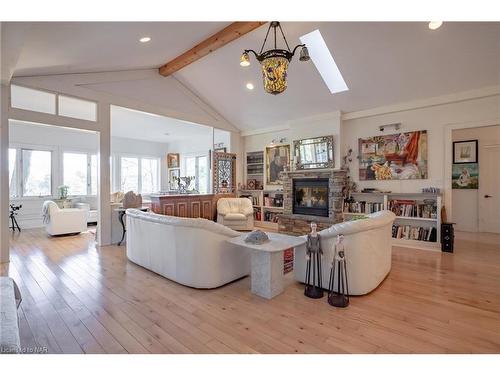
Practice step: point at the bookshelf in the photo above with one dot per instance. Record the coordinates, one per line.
(254, 168)
(268, 204)
(418, 216)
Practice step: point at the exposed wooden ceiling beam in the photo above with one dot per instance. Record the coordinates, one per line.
(218, 40)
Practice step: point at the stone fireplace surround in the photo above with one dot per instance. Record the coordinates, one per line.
(296, 224)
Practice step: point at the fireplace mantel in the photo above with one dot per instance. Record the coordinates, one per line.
(299, 224)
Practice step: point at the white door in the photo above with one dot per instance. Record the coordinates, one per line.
(489, 189)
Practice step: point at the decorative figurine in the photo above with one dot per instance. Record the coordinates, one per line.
(314, 287)
(339, 298)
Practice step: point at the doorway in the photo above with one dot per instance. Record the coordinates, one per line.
(476, 207)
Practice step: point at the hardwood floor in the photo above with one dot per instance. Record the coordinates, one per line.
(81, 299)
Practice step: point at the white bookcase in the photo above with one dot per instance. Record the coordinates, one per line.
(259, 204)
(384, 199)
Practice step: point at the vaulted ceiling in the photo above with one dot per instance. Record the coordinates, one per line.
(383, 63)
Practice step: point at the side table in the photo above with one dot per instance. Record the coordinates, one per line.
(267, 262)
(121, 213)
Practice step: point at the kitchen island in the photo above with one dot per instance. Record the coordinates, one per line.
(187, 205)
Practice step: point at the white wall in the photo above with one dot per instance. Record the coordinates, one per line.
(327, 124)
(436, 120)
(466, 201)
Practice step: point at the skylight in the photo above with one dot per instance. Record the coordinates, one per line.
(323, 59)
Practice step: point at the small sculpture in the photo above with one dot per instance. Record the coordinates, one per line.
(314, 284)
(340, 296)
(132, 200)
(257, 237)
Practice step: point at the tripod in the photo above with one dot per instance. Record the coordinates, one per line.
(12, 216)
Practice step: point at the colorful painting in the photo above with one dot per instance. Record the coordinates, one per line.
(277, 159)
(400, 156)
(173, 160)
(465, 176)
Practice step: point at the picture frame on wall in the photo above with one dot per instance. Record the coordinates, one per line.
(277, 159)
(465, 152)
(220, 149)
(465, 176)
(173, 160)
(173, 178)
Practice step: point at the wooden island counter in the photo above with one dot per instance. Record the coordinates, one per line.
(187, 205)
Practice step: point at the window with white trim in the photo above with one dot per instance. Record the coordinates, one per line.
(139, 174)
(198, 166)
(80, 173)
(36, 168)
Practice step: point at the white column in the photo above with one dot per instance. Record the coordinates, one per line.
(4, 174)
(104, 227)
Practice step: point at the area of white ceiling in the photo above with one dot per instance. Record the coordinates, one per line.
(127, 123)
(79, 47)
(382, 63)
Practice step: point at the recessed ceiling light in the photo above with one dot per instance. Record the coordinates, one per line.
(166, 133)
(324, 62)
(250, 85)
(145, 39)
(434, 25)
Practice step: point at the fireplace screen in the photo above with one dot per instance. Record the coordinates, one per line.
(310, 197)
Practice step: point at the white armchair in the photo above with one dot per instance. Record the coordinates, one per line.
(235, 213)
(63, 221)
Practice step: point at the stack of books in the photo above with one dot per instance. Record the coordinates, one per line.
(408, 232)
(271, 216)
(288, 260)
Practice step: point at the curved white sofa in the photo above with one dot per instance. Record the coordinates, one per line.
(368, 249)
(235, 213)
(192, 252)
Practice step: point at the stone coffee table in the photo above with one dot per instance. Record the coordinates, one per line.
(267, 262)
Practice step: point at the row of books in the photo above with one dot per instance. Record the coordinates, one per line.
(410, 208)
(253, 198)
(409, 232)
(363, 207)
(271, 216)
(276, 201)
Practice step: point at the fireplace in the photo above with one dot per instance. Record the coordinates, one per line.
(310, 196)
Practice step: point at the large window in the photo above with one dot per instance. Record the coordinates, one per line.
(139, 174)
(36, 173)
(129, 174)
(80, 173)
(198, 166)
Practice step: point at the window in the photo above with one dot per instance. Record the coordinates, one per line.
(129, 175)
(75, 173)
(12, 172)
(33, 100)
(139, 174)
(37, 173)
(77, 108)
(149, 175)
(94, 171)
(198, 166)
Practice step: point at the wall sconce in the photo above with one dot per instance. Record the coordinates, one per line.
(278, 140)
(396, 126)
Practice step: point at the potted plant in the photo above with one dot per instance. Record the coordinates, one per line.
(63, 191)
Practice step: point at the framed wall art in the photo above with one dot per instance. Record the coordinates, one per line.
(277, 159)
(173, 161)
(401, 156)
(465, 176)
(465, 152)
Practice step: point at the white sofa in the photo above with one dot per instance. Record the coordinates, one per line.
(192, 252)
(63, 220)
(368, 249)
(235, 213)
(10, 298)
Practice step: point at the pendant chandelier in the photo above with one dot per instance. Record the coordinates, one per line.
(274, 62)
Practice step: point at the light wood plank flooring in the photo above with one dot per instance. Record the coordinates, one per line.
(81, 299)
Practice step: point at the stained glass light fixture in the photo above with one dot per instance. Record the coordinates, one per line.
(274, 62)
